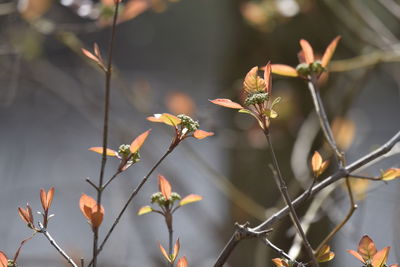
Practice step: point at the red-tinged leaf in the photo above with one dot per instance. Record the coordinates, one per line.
(394, 265)
(280, 262)
(284, 70)
(177, 246)
(226, 103)
(164, 186)
(86, 204)
(307, 50)
(144, 210)
(391, 174)
(356, 254)
(182, 262)
(26, 214)
(3, 259)
(164, 252)
(324, 165)
(97, 216)
(268, 78)
(19, 248)
(138, 142)
(252, 82)
(380, 258)
(190, 199)
(326, 58)
(90, 55)
(366, 248)
(97, 52)
(200, 134)
(99, 150)
(46, 198)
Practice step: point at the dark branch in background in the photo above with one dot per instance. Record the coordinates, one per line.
(55, 245)
(108, 73)
(340, 173)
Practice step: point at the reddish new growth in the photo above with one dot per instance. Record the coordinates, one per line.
(258, 101)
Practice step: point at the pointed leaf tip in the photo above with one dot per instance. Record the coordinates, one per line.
(307, 50)
(227, 103)
(139, 141)
(284, 70)
(182, 262)
(391, 174)
(164, 252)
(144, 210)
(164, 186)
(99, 150)
(200, 134)
(190, 199)
(330, 50)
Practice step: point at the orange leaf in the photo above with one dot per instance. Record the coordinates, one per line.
(366, 248)
(226, 103)
(109, 152)
(165, 186)
(97, 216)
(268, 78)
(307, 50)
(280, 263)
(165, 118)
(3, 259)
(182, 262)
(90, 210)
(90, 55)
(252, 82)
(46, 199)
(316, 162)
(190, 199)
(144, 210)
(200, 134)
(329, 51)
(164, 252)
(26, 214)
(284, 70)
(177, 246)
(380, 258)
(391, 174)
(356, 254)
(138, 142)
(325, 254)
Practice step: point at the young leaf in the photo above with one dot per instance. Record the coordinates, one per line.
(329, 51)
(177, 246)
(200, 134)
(164, 252)
(90, 55)
(109, 152)
(3, 259)
(182, 262)
(284, 70)
(280, 262)
(165, 118)
(268, 78)
(380, 258)
(226, 103)
(144, 210)
(46, 198)
(367, 248)
(391, 174)
(138, 142)
(190, 199)
(164, 186)
(325, 254)
(356, 254)
(91, 211)
(307, 50)
(253, 83)
(26, 215)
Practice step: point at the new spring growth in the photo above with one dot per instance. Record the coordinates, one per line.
(92, 212)
(127, 154)
(369, 255)
(309, 65)
(258, 97)
(318, 166)
(184, 127)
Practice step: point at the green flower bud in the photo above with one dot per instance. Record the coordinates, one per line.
(11, 263)
(303, 69)
(124, 150)
(188, 123)
(316, 67)
(155, 198)
(175, 196)
(256, 98)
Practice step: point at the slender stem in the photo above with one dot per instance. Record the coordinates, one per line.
(338, 227)
(323, 119)
(110, 180)
(56, 246)
(340, 173)
(281, 252)
(108, 73)
(133, 194)
(365, 177)
(168, 221)
(284, 191)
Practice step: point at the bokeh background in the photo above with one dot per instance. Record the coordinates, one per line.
(172, 56)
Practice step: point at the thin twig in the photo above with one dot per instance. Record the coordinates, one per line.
(108, 73)
(110, 180)
(280, 252)
(339, 174)
(283, 189)
(133, 194)
(366, 177)
(55, 245)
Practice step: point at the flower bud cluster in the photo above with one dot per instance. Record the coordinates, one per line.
(305, 69)
(124, 150)
(256, 98)
(188, 123)
(162, 201)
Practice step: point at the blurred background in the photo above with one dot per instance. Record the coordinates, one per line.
(172, 56)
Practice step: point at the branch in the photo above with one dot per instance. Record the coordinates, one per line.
(55, 245)
(340, 173)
